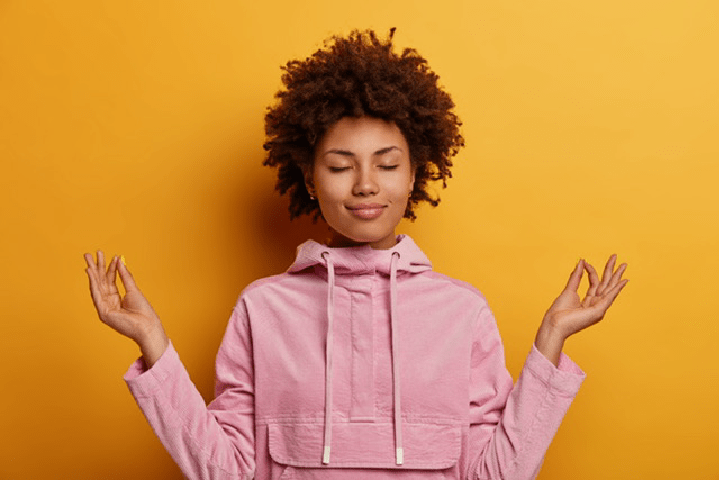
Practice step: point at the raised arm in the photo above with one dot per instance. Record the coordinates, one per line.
(207, 442)
(512, 426)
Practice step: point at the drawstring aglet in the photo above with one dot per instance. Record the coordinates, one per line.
(399, 456)
(326, 454)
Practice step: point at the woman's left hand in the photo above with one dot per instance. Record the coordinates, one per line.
(568, 314)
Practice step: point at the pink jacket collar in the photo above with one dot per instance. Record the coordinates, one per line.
(364, 259)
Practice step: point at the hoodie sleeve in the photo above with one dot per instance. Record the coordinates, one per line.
(214, 441)
(511, 426)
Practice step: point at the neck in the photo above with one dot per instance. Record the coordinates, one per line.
(340, 241)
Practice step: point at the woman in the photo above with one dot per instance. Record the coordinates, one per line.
(359, 361)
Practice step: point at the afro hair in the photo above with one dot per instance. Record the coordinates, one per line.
(354, 76)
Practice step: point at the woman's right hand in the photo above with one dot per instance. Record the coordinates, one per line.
(132, 316)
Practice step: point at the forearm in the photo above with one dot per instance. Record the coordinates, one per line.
(532, 413)
(194, 434)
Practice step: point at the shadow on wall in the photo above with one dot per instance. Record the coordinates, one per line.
(277, 236)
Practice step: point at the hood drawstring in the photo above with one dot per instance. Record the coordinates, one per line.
(329, 358)
(394, 353)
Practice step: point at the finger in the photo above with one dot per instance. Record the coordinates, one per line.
(101, 261)
(607, 274)
(95, 293)
(93, 270)
(610, 296)
(575, 277)
(617, 276)
(127, 278)
(594, 281)
(112, 272)
(109, 267)
(89, 260)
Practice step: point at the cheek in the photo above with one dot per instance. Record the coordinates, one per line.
(400, 188)
(331, 195)
(330, 188)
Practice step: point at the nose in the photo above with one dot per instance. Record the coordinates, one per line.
(365, 183)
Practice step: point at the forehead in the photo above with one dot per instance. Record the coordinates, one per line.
(362, 133)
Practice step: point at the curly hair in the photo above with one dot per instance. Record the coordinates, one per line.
(356, 76)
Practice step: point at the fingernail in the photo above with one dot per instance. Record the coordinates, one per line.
(122, 259)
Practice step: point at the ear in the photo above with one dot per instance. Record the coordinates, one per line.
(411, 187)
(307, 171)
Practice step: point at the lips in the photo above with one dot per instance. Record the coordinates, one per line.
(367, 211)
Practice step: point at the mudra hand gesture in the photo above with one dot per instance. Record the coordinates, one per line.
(132, 315)
(568, 314)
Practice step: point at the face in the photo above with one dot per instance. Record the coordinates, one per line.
(362, 178)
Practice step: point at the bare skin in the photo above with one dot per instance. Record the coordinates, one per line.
(134, 317)
(568, 314)
(360, 161)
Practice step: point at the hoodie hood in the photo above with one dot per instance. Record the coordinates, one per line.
(404, 256)
(363, 259)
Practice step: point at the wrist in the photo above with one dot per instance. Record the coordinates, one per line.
(153, 345)
(549, 341)
(550, 327)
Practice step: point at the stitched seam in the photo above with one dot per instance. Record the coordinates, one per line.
(548, 383)
(203, 451)
(536, 420)
(341, 419)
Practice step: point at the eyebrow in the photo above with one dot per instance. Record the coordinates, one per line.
(347, 153)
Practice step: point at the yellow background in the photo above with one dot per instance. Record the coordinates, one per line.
(137, 127)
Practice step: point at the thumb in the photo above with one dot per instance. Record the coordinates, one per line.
(574, 281)
(127, 278)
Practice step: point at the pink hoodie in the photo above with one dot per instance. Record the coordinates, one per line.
(359, 364)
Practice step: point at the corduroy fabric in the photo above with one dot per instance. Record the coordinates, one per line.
(460, 415)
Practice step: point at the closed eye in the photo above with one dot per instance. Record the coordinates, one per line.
(338, 169)
(389, 167)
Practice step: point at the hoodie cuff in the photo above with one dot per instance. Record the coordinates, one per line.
(566, 377)
(143, 381)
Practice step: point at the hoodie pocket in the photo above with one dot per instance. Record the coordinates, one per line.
(430, 451)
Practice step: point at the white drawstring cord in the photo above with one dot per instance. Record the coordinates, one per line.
(329, 358)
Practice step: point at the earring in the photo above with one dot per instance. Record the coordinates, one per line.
(312, 198)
